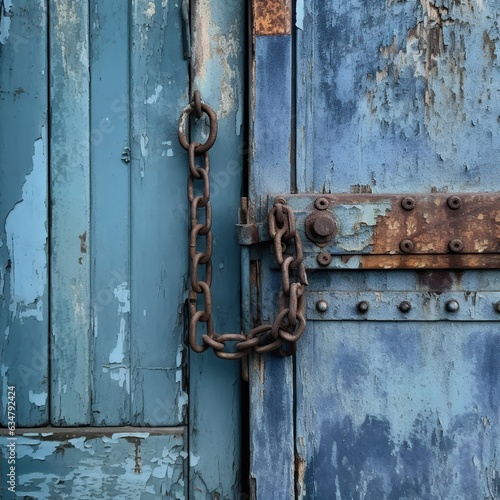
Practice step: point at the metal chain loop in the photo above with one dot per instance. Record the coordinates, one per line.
(290, 322)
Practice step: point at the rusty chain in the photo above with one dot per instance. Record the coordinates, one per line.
(290, 322)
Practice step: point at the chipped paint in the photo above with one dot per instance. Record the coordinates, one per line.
(39, 399)
(151, 10)
(154, 97)
(26, 236)
(5, 16)
(128, 464)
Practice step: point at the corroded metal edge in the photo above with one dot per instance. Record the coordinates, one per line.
(272, 17)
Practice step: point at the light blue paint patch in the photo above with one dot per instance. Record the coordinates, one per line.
(299, 14)
(356, 224)
(26, 234)
(39, 399)
(5, 15)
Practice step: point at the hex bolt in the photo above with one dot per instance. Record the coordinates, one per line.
(406, 246)
(324, 258)
(408, 203)
(452, 306)
(454, 202)
(405, 306)
(363, 306)
(323, 225)
(456, 246)
(321, 203)
(322, 306)
(497, 307)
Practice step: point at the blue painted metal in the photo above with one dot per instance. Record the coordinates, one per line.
(390, 98)
(24, 294)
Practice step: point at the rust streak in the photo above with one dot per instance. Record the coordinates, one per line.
(272, 17)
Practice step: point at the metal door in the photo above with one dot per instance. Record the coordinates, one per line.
(390, 112)
(96, 379)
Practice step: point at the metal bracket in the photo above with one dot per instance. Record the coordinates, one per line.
(397, 231)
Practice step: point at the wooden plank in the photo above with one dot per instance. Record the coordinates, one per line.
(120, 462)
(386, 411)
(397, 95)
(110, 211)
(70, 215)
(159, 90)
(217, 71)
(24, 294)
(271, 378)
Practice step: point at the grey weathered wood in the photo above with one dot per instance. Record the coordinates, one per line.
(24, 294)
(70, 214)
(120, 462)
(159, 80)
(110, 212)
(217, 71)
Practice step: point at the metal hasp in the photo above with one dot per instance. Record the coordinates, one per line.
(421, 231)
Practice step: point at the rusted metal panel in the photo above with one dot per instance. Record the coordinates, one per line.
(372, 231)
(272, 17)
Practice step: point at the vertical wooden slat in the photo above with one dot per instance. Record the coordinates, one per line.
(159, 80)
(23, 210)
(218, 46)
(110, 211)
(271, 378)
(70, 197)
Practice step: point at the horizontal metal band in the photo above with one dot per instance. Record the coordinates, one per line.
(403, 306)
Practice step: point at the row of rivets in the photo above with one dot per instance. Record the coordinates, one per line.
(453, 202)
(405, 306)
(455, 246)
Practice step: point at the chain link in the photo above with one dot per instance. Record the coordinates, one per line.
(290, 322)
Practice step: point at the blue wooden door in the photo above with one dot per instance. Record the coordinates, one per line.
(99, 396)
(389, 111)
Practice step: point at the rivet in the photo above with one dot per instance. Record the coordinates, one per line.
(322, 305)
(363, 306)
(454, 202)
(405, 306)
(324, 258)
(321, 203)
(497, 307)
(456, 246)
(408, 203)
(406, 246)
(452, 306)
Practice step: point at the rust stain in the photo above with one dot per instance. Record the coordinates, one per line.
(433, 226)
(458, 261)
(272, 17)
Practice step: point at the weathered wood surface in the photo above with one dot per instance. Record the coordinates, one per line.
(120, 462)
(217, 71)
(271, 377)
(110, 235)
(70, 261)
(24, 293)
